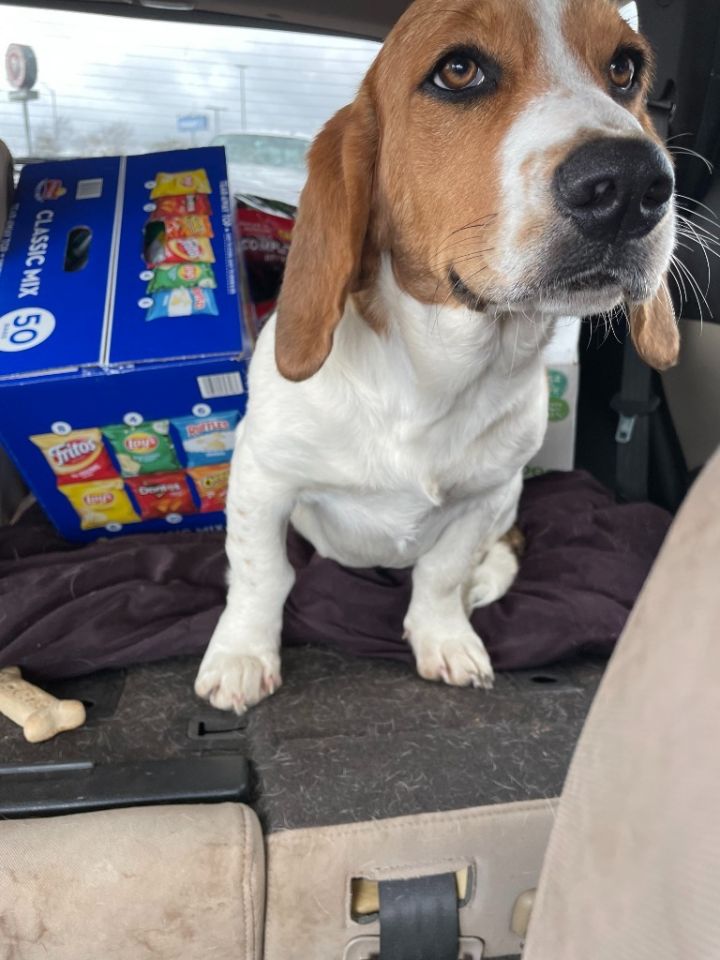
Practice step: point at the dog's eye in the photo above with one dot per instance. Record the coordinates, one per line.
(623, 71)
(458, 72)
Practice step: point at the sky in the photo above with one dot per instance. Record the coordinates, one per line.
(128, 80)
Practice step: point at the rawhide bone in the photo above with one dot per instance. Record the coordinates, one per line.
(41, 715)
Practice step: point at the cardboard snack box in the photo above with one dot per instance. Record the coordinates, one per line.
(122, 351)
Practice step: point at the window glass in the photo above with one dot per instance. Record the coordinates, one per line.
(108, 85)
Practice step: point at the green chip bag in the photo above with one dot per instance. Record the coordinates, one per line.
(182, 275)
(146, 448)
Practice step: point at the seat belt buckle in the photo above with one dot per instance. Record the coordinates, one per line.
(625, 428)
(628, 411)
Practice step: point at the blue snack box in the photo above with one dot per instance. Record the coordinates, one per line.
(77, 354)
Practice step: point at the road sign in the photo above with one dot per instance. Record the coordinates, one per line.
(20, 66)
(22, 96)
(192, 123)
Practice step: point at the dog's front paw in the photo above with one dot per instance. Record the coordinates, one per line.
(237, 681)
(460, 660)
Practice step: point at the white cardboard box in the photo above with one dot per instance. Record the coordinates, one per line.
(563, 368)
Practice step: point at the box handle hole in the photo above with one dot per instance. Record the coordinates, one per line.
(77, 249)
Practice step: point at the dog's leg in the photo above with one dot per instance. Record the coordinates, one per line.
(444, 643)
(242, 662)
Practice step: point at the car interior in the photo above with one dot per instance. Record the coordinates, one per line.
(360, 813)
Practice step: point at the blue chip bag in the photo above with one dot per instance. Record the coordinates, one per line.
(182, 302)
(207, 440)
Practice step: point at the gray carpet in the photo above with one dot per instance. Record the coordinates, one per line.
(343, 740)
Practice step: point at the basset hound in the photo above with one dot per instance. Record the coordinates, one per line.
(497, 170)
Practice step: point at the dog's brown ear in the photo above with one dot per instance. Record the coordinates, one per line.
(328, 238)
(654, 330)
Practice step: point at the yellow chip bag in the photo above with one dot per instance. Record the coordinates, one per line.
(180, 184)
(100, 503)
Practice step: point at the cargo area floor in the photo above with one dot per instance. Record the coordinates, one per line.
(343, 740)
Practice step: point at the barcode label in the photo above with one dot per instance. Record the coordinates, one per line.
(89, 189)
(220, 385)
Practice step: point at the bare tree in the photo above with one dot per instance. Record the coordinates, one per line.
(56, 139)
(108, 140)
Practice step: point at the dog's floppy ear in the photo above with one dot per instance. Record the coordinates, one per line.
(654, 330)
(328, 238)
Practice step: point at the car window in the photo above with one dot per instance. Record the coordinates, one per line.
(266, 151)
(108, 85)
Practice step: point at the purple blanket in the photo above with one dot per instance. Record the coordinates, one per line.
(68, 610)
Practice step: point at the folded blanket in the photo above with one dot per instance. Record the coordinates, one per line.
(67, 610)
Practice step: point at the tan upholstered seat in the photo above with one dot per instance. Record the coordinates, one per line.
(151, 883)
(633, 869)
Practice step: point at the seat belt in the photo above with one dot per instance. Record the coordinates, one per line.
(419, 919)
(636, 400)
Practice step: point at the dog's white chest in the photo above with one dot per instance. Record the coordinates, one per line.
(411, 480)
(395, 438)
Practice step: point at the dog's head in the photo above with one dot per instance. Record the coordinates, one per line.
(500, 152)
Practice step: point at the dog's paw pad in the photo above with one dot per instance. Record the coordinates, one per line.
(236, 682)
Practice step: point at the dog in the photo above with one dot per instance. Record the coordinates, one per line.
(497, 170)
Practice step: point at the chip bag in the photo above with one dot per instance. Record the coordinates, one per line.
(211, 484)
(178, 184)
(77, 457)
(100, 503)
(182, 275)
(146, 448)
(188, 226)
(182, 302)
(161, 494)
(207, 439)
(161, 251)
(180, 206)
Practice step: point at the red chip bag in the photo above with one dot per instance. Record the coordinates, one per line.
(159, 494)
(193, 203)
(191, 225)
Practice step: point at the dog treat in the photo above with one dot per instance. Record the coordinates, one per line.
(162, 493)
(188, 226)
(182, 302)
(161, 251)
(146, 448)
(207, 440)
(40, 715)
(182, 275)
(100, 503)
(211, 484)
(178, 184)
(180, 206)
(77, 457)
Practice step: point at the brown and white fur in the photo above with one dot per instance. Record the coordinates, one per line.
(400, 390)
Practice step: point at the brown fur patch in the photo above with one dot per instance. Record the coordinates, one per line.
(329, 240)
(515, 539)
(655, 332)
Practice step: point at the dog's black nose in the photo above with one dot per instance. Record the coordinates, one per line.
(615, 187)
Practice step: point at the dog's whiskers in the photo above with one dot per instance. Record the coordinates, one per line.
(688, 152)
